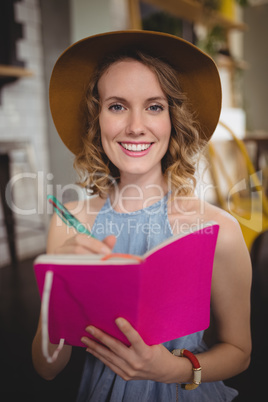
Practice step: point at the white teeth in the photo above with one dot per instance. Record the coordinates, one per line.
(135, 147)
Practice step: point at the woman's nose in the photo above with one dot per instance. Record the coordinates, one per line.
(135, 123)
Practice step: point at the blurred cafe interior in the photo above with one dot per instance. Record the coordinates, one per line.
(33, 163)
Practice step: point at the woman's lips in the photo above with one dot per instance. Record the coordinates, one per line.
(136, 149)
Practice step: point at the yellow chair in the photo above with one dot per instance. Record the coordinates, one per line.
(244, 196)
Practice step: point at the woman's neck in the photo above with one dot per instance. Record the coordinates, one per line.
(135, 193)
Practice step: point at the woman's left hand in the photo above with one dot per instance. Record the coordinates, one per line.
(135, 362)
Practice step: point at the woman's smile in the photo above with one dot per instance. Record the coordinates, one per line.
(135, 149)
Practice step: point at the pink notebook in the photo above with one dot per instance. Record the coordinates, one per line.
(165, 295)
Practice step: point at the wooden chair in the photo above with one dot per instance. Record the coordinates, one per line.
(238, 186)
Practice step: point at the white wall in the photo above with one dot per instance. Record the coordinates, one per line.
(90, 17)
(23, 116)
(56, 38)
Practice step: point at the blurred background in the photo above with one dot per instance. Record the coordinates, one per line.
(33, 162)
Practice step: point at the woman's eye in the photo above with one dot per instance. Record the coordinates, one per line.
(155, 108)
(116, 107)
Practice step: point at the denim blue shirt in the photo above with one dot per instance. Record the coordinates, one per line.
(137, 232)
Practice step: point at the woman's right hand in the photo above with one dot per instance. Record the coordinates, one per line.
(84, 244)
(65, 240)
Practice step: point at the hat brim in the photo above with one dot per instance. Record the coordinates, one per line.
(197, 73)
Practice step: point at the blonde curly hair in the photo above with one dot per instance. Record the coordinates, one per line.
(99, 174)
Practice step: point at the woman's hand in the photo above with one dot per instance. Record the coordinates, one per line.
(65, 240)
(84, 244)
(136, 362)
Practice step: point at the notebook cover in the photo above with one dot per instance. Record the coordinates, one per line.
(164, 297)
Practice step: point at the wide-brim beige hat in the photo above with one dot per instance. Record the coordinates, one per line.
(197, 73)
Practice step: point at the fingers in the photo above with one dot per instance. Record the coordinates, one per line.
(92, 245)
(110, 351)
(109, 358)
(108, 341)
(113, 353)
(135, 340)
(110, 241)
(131, 334)
(128, 362)
(83, 244)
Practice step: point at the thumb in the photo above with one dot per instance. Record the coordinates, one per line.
(110, 241)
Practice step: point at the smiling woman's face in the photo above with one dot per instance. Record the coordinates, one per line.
(134, 119)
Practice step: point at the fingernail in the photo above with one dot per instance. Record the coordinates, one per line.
(119, 322)
(105, 250)
(90, 330)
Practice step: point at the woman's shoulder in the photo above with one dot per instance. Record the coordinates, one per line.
(229, 227)
(197, 212)
(86, 207)
(219, 215)
(225, 219)
(230, 238)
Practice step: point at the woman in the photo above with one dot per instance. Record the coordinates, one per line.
(137, 108)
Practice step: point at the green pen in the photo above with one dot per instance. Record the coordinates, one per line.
(67, 217)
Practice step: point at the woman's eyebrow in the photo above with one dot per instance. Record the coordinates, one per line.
(151, 99)
(115, 99)
(157, 99)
